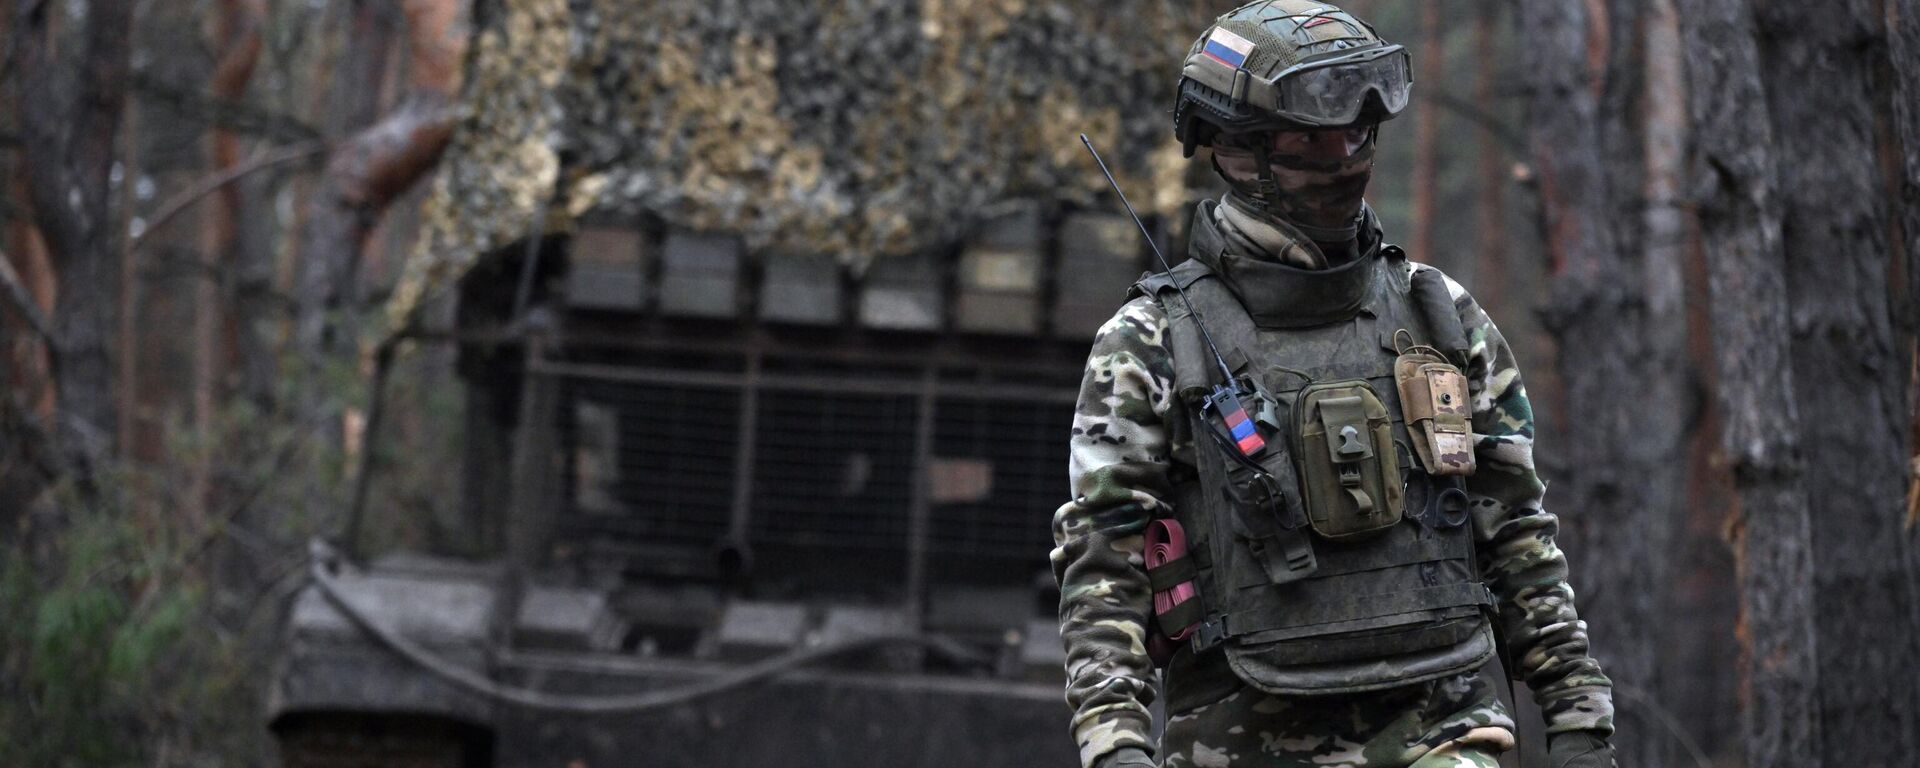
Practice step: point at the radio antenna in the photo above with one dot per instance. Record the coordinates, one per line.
(1197, 319)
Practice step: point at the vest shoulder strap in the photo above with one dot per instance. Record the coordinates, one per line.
(1435, 304)
(1226, 322)
(1183, 275)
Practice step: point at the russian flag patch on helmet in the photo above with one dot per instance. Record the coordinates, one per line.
(1227, 48)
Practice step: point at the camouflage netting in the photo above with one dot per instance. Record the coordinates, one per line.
(859, 128)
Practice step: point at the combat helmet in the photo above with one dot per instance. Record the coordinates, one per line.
(1288, 65)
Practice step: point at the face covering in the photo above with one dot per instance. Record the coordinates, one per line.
(1319, 196)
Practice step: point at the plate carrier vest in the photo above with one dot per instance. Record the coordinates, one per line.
(1298, 612)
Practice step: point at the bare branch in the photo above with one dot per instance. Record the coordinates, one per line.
(1513, 142)
(237, 116)
(17, 295)
(213, 183)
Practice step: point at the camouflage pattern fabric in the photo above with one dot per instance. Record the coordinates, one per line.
(1130, 433)
(1446, 723)
(802, 128)
(1324, 194)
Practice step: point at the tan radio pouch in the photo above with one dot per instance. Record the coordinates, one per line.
(1437, 408)
(1348, 464)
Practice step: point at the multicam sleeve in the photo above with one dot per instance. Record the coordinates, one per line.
(1518, 558)
(1118, 472)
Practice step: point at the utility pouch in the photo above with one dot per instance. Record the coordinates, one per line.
(1435, 403)
(1259, 488)
(1347, 459)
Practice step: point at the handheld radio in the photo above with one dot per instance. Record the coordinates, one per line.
(1233, 428)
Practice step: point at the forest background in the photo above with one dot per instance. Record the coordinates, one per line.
(1695, 218)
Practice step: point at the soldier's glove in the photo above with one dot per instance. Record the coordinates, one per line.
(1125, 757)
(1579, 749)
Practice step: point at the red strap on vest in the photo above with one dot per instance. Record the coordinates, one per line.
(1167, 543)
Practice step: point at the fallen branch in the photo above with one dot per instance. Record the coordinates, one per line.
(213, 184)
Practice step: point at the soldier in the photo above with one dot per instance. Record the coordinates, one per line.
(1302, 464)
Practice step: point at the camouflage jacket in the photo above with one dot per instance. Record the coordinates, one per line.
(1130, 432)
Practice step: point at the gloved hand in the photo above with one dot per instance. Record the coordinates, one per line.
(1579, 749)
(1125, 757)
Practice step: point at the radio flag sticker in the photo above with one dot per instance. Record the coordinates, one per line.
(1227, 48)
(1240, 429)
(1245, 436)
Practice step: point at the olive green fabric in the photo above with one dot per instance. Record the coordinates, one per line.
(1352, 477)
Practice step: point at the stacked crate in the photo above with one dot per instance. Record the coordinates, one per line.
(802, 290)
(999, 281)
(608, 269)
(1100, 255)
(902, 293)
(700, 275)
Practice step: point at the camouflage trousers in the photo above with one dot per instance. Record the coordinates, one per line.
(1456, 722)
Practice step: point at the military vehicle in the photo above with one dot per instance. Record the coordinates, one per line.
(697, 458)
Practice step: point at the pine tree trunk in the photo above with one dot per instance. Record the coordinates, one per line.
(1820, 64)
(380, 161)
(70, 124)
(1663, 248)
(1426, 143)
(1741, 229)
(1903, 31)
(1614, 314)
(339, 221)
(1490, 266)
(238, 39)
(247, 341)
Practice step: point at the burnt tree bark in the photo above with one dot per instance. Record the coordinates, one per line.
(1615, 318)
(70, 124)
(1820, 65)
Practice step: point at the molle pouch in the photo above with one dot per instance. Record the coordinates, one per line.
(1436, 406)
(1348, 464)
(1260, 489)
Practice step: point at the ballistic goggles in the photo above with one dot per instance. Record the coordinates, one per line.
(1369, 85)
(1339, 91)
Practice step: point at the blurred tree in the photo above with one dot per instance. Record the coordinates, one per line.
(1615, 317)
(373, 162)
(71, 88)
(1825, 69)
(1426, 141)
(1490, 266)
(1741, 221)
(237, 34)
(1900, 123)
(1802, 220)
